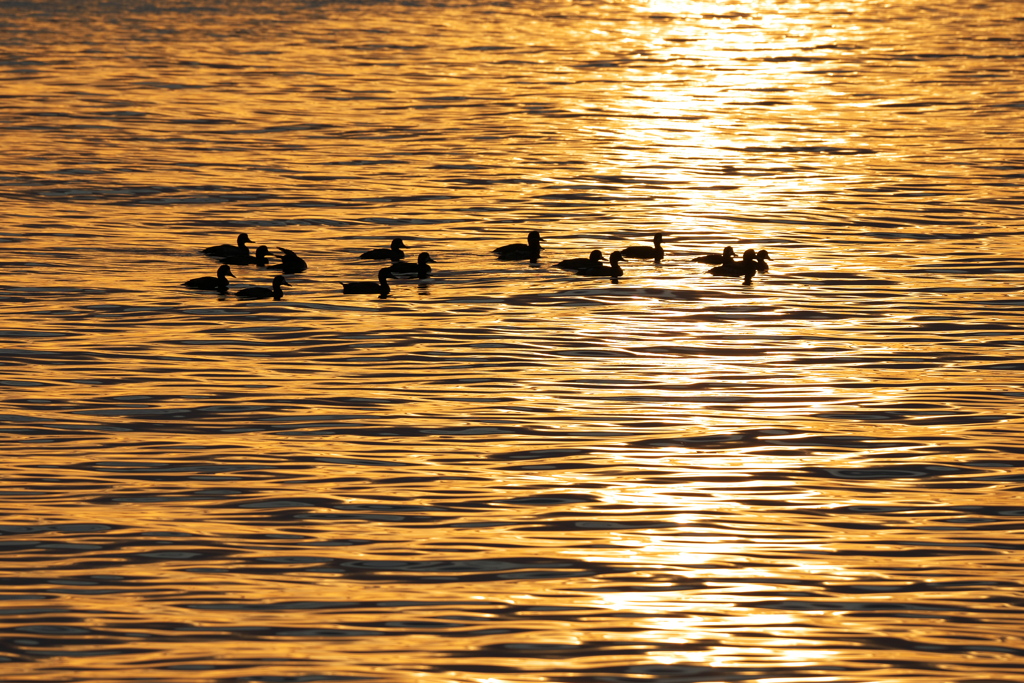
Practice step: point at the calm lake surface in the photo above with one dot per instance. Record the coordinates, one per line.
(508, 472)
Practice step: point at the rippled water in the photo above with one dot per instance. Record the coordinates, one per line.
(510, 472)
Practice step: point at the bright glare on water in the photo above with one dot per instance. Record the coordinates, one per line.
(508, 472)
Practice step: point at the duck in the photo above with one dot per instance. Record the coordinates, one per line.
(601, 270)
(380, 287)
(745, 268)
(290, 262)
(518, 252)
(238, 249)
(264, 292)
(258, 259)
(209, 282)
(645, 252)
(727, 256)
(420, 269)
(763, 256)
(594, 259)
(394, 252)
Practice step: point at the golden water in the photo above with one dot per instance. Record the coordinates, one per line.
(509, 472)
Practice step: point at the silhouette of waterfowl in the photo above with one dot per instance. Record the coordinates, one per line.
(613, 269)
(260, 258)
(745, 268)
(394, 252)
(290, 262)
(727, 256)
(421, 269)
(264, 292)
(209, 282)
(645, 252)
(518, 252)
(380, 287)
(237, 249)
(577, 264)
(762, 257)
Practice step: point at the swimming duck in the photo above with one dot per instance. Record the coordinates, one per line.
(219, 283)
(380, 287)
(394, 253)
(594, 259)
(645, 252)
(263, 292)
(258, 259)
(763, 256)
(238, 249)
(420, 269)
(518, 252)
(601, 270)
(745, 268)
(290, 262)
(726, 256)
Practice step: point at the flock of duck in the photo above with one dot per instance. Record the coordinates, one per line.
(238, 254)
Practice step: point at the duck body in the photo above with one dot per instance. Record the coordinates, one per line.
(219, 283)
(644, 252)
(745, 268)
(237, 249)
(394, 253)
(290, 262)
(264, 292)
(519, 252)
(613, 269)
(577, 264)
(421, 269)
(380, 287)
(258, 259)
(727, 256)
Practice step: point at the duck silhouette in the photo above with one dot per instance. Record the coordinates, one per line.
(613, 269)
(518, 252)
(264, 292)
(259, 259)
(237, 249)
(394, 252)
(380, 287)
(420, 269)
(645, 252)
(577, 264)
(726, 256)
(219, 283)
(762, 257)
(290, 262)
(745, 268)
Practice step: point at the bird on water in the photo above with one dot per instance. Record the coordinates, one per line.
(762, 257)
(613, 269)
(394, 252)
(264, 292)
(727, 256)
(519, 251)
(237, 249)
(290, 262)
(577, 264)
(209, 282)
(745, 268)
(421, 269)
(380, 287)
(258, 259)
(645, 252)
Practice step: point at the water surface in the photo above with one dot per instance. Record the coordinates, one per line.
(510, 472)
